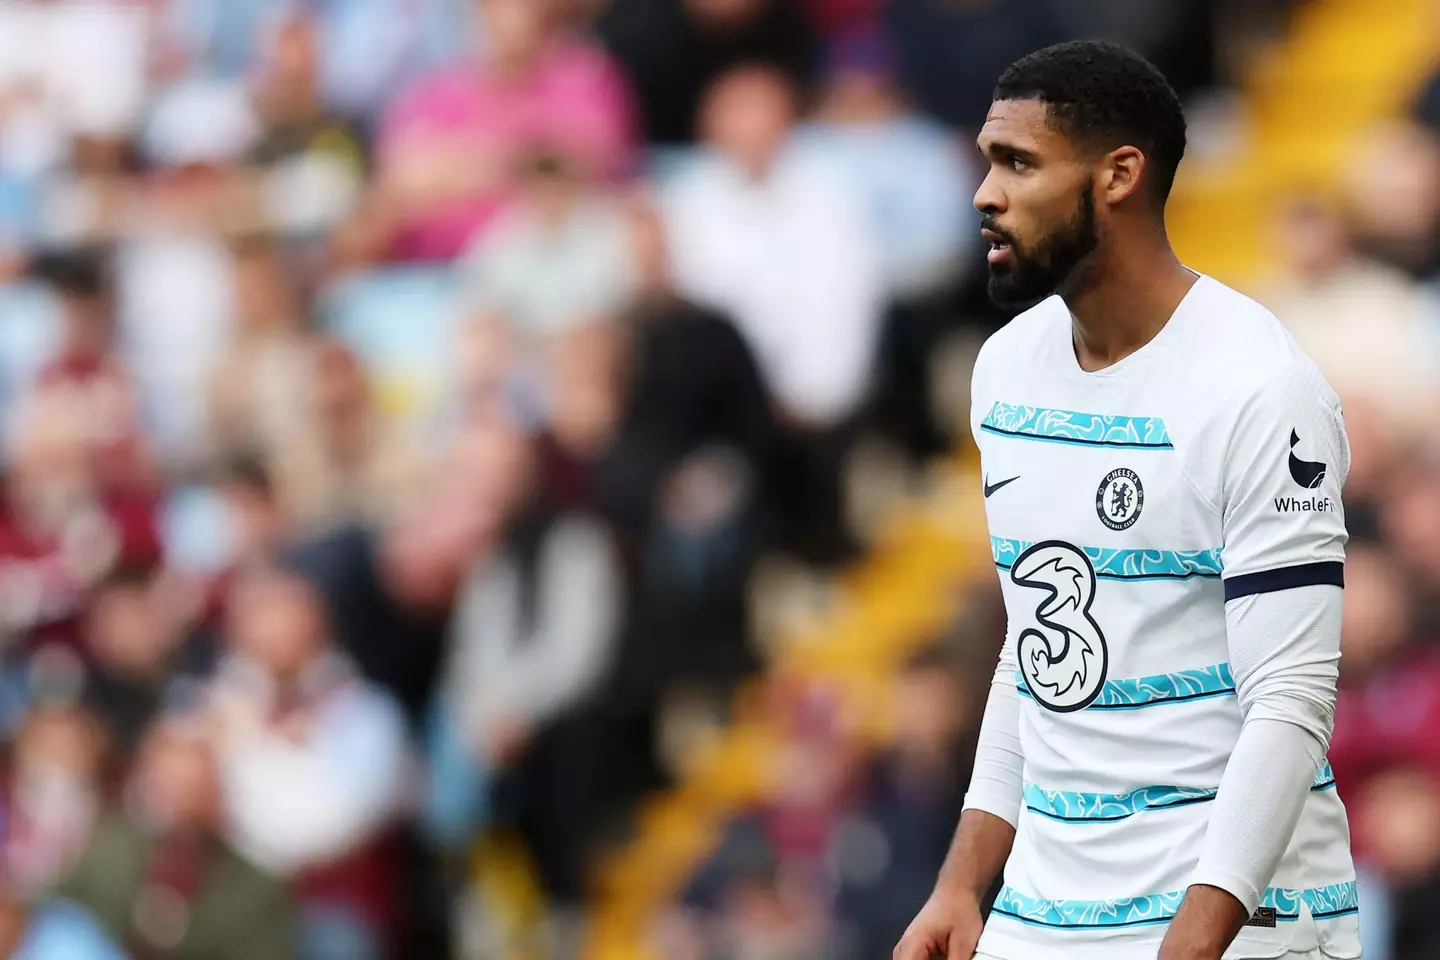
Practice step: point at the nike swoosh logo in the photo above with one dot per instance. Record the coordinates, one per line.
(990, 488)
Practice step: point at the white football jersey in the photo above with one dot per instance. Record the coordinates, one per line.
(1125, 507)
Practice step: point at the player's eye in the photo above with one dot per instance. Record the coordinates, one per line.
(1018, 165)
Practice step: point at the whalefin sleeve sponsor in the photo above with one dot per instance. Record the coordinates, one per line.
(1285, 465)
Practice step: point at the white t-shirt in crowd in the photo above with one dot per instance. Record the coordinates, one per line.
(791, 259)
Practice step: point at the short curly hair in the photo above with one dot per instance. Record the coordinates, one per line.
(1104, 96)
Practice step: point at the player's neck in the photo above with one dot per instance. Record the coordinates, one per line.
(1129, 301)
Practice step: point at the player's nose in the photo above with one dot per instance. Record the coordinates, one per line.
(989, 198)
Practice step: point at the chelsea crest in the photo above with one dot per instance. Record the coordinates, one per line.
(1120, 499)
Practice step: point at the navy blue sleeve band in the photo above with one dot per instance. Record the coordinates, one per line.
(1330, 572)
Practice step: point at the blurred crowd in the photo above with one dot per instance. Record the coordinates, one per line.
(398, 399)
(1357, 284)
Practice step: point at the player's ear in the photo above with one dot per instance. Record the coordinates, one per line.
(1120, 174)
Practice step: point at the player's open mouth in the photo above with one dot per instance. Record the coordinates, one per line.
(999, 247)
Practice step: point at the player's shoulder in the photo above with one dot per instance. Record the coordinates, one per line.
(1020, 340)
(1240, 345)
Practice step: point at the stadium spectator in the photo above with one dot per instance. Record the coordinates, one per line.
(917, 187)
(260, 526)
(909, 169)
(1393, 193)
(60, 533)
(756, 210)
(555, 259)
(159, 879)
(682, 477)
(535, 632)
(174, 269)
(366, 47)
(841, 860)
(369, 49)
(88, 370)
(778, 240)
(52, 792)
(86, 202)
(311, 761)
(1369, 327)
(771, 881)
(448, 147)
(72, 70)
(311, 161)
(261, 387)
(135, 638)
(911, 802)
(1410, 519)
(390, 587)
(338, 459)
(673, 50)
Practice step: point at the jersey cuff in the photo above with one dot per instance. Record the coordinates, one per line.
(994, 804)
(1326, 572)
(1237, 886)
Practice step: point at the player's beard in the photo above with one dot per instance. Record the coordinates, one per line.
(1032, 273)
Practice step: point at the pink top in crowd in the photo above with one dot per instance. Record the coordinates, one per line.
(575, 101)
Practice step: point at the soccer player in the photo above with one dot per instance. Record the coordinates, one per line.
(1162, 470)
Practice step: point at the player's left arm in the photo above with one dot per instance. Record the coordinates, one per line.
(1283, 552)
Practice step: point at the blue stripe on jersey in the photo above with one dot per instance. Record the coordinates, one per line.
(1118, 564)
(1080, 914)
(1334, 900)
(1331, 900)
(1325, 903)
(1069, 806)
(1072, 426)
(1132, 693)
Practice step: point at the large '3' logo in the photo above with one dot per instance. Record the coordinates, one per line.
(1065, 668)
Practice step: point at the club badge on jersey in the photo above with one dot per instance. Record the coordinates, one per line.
(1120, 499)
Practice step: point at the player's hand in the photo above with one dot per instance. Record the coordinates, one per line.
(947, 927)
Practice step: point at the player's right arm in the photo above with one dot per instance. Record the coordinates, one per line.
(949, 925)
